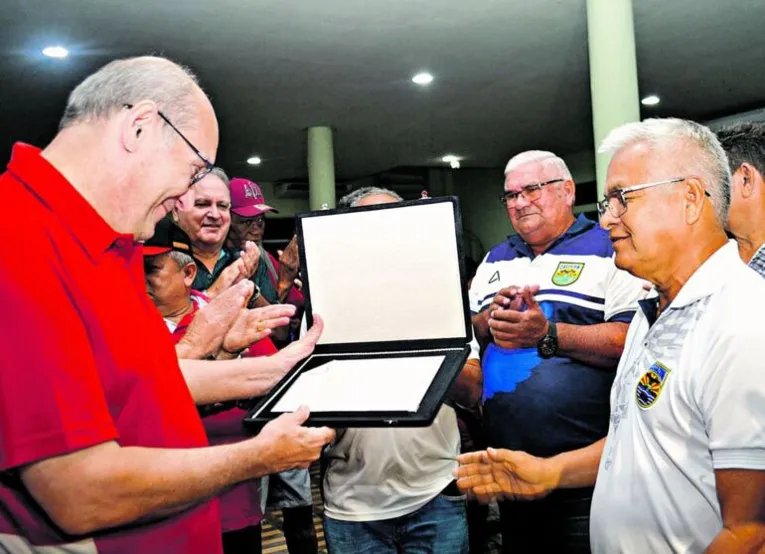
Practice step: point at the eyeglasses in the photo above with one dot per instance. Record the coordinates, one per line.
(202, 173)
(248, 222)
(616, 201)
(532, 193)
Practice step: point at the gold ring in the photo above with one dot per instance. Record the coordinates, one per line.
(260, 326)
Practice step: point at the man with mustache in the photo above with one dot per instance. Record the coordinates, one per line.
(551, 311)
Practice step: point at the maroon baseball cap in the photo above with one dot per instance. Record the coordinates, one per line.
(247, 198)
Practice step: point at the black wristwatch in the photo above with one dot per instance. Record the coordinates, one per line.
(547, 346)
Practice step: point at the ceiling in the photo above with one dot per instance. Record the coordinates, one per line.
(509, 74)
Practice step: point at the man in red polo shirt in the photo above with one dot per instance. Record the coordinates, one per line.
(101, 447)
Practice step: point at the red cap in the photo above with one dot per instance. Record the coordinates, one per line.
(247, 198)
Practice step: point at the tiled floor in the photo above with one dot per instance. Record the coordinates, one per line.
(273, 539)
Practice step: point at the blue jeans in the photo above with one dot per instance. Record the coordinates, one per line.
(439, 527)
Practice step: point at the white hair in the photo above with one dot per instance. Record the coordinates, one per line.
(129, 81)
(706, 158)
(352, 198)
(538, 156)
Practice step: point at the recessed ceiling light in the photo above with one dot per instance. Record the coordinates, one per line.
(650, 100)
(422, 79)
(55, 52)
(452, 160)
(254, 160)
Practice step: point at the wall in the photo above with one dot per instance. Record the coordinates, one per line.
(287, 207)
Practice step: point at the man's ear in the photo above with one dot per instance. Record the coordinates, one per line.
(750, 179)
(189, 274)
(695, 194)
(138, 125)
(569, 191)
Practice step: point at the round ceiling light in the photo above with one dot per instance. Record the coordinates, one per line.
(55, 52)
(422, 79)
(254, 160)
(650, 100)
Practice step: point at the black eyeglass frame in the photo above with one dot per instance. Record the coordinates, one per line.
(208, 164)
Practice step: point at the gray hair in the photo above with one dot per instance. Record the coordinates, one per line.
(538, 156)
(181, 259)
(707, 158)
(220, 174)
(129, 81)
(352, 198)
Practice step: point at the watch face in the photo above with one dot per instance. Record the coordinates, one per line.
(547, 346)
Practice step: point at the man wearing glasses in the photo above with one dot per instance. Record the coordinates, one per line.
(683, 466)
(101, 446)
(551, 311)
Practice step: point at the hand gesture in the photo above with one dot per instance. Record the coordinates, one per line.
(250, 259)
(206, 332)
(300, 349)
(512, 326)
(285, 444)
(505, 474)
(253, 325)
(289, 262)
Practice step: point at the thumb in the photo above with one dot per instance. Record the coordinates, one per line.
(528, 297)
(300, 415)
(314, 333)
(497, 455)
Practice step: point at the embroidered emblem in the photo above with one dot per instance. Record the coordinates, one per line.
(650, 385)
(250, 192)
(567, 273)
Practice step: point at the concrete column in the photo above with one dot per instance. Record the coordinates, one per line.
(321, 168)
(613, 72)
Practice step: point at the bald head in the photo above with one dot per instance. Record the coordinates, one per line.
(172, 87)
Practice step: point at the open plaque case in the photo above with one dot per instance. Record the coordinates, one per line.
(389, 282)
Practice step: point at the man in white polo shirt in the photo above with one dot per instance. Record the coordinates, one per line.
(683, 466)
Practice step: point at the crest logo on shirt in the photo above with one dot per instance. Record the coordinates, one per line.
(650, 385)
(567, 273)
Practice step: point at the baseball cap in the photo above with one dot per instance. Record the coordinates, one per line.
(247, 198)
(167, 236)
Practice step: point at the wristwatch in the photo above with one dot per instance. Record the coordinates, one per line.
(547, 346)
(254, 297)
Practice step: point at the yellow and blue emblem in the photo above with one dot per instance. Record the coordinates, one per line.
(650, 385)
(567, 273)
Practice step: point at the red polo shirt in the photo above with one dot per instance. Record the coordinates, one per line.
(86, 359)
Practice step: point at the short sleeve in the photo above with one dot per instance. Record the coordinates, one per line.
(51, 397)
(623, 291)
(730, 388)
(479, 286)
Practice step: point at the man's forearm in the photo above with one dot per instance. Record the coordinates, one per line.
(600, 345)
(115, 485)
(466, 390)
(578, 468)
(481, 328)
(219, 381)
(742, 539)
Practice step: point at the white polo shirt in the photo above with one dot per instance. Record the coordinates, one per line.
(688, 398)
